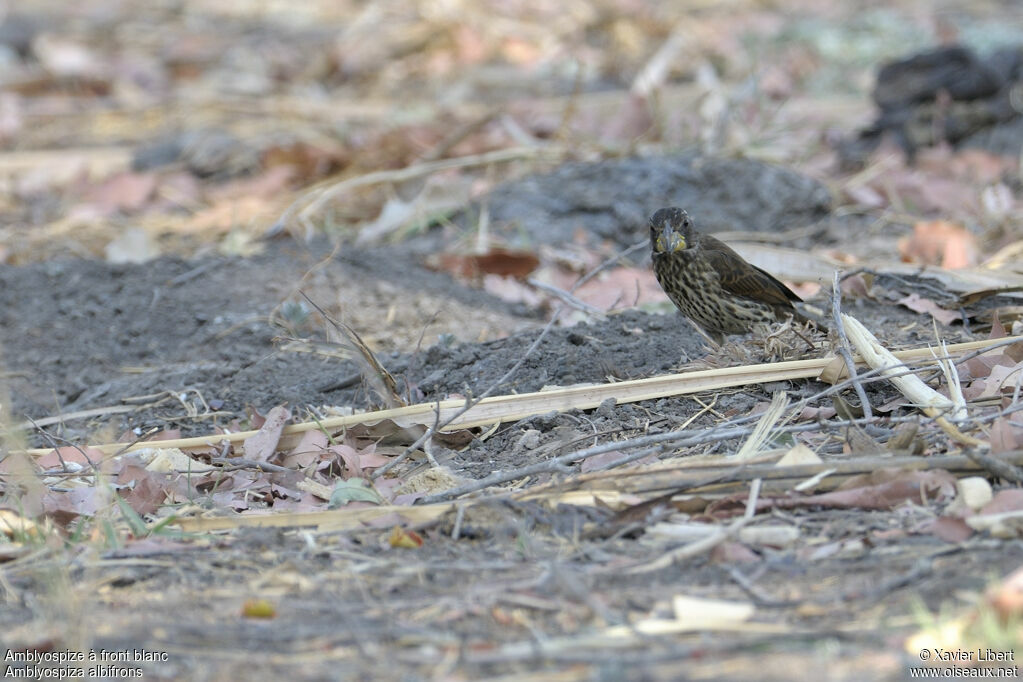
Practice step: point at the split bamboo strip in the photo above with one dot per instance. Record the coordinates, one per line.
(509, 408)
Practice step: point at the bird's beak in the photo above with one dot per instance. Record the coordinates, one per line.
(670, 241)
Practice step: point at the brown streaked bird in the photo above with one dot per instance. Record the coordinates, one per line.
(710, 283)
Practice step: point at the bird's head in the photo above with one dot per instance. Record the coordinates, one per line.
(671, 231)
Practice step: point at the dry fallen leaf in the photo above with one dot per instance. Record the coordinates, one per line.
(919, 304)
(939, 242)
(262, 446)
(405, 539)
(497, 261)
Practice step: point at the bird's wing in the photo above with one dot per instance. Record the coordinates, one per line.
(742, 278)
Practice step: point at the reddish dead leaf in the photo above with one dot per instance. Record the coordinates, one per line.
(1005, 436)
(353, 465)
(227, 214)
(939, 242)
(996, 372)
(144, 491)
(502, 262)
(371, 460)
(124, 192)
(949, 529)
(980, 366)
(815, 413)
(805, 290)
(79, 455)
(261, 447)
(387, 487)
(311, 447)
(166, 434)
(857, 286)
(1007, 597)
(621, 288)
(733, 553)
(308, 161)
(406, 539)
(64, 507)
(919, 304)
(973, 165)
(1010, 500)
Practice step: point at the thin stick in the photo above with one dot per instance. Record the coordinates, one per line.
(565, 296)
(608, 263)
(845, 348)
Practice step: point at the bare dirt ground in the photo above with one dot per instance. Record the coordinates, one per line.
(185, 185)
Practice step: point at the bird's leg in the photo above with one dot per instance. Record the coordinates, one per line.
(714, 339)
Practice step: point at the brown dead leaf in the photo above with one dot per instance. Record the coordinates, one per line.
(620, 288)
(733, 553)
(348, 454)
(371, 460)
(125, 192)
(64, 507)
(497, 261)
(949, 529)
(940, 242)
(226, 215)
(1007, 597)
(1005, 436)
(919, 304)
(405, 539)
(971, 164)
(311, 447)
(144, 491)
(308, 161)
(814, 413)
(56, 459)
(262, 446)
(857, 286)
(1010, 500)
